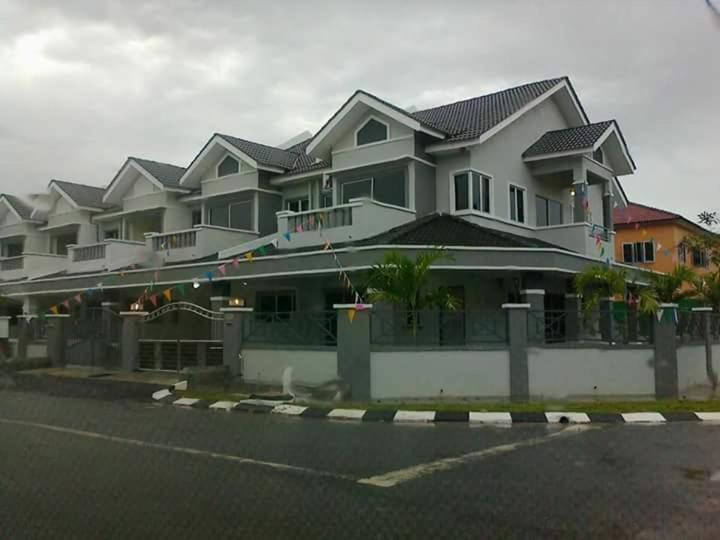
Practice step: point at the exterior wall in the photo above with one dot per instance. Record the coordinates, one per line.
(141, 186)
(691, 368)
(233, 182)
(424, 178)
(310, 366)
(439, 373)
(592, 372)
(446, 165)
(268, 205)
(176, 218)
(208, 241)
(210, 173)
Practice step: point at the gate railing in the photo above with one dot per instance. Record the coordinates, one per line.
(178, 354)
(564, 326)
(291, 328)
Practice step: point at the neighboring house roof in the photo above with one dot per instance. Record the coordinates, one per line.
(636, 213)
(566, 140)
(262, 153)
(23, 209)
(82, 194)
(470, 118)
(303, 162)
(167, 174)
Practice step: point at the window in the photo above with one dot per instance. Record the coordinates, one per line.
(547, 212)
(517, 204)
(598, 155)
(298, 205)
(196, 216)
(110, 234)
(228, 166)
(357, 188)
(237, 215)
(472, 190)
(699, 258)
(326, 199)
(14, 249)
(372, 131)
(639, 252)
(682, 254)
(273, 305)
(63, 241)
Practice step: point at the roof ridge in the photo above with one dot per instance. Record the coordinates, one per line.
(76, 184)
(564, 77)
(255, 142)
(154, 161)
(655, 208)
(613, 121)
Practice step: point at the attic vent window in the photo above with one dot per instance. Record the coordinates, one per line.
(372, 131)
(598, 155)
(228, 166)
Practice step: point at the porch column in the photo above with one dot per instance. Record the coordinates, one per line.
(517, 316)
(666, 365)
(25, 335)
(129, 338)
(607, 205)
(107, 317)
(56, 338)
(353, 348)
(216, 305)
(573, 312)
(233, 338)
(536, 319)
(607, 321)
(580, 201)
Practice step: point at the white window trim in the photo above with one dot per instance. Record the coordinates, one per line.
(296, 199)
(491, 191)
(217, 167)
(525, 206)
(367, 120)
(372, 186)
(634, 259)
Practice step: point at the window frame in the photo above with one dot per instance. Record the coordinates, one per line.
(704, 260)
(370, 179)
(268, 316)
(522, 190)
(640, 248)
(599, 152)
(288, 202)
(227, 155)
(469, 173)
(367, 120)
(228, 206)
(548, 200)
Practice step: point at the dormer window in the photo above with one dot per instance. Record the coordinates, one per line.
(372, 131)
(228, 166)
(598, 155)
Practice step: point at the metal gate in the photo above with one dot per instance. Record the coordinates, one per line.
(180, 335)
(93, 339)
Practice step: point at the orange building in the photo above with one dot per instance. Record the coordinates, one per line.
(653, 239)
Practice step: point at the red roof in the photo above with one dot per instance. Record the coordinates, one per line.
(639, 213)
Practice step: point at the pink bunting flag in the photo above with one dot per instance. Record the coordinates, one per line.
(299, 228)
(221, 268)
(78, 299)
(66, 303)
(153, 299)
(235, 262)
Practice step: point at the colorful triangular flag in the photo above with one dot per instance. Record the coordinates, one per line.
(351, 315)
(54, 309)
(249, 256)
(262, 251)
(167, 293)
(287, 236)
(78, 299)
(221, 269)
(181, 287)
(299, 228)
(235, 262)
(327, 245)
(274, 242)
(209, 275)
(153, 299)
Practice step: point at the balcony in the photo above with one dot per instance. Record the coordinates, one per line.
(198, 242)
(108, 255)
(589, 239)
(360, 218)
(31, 265)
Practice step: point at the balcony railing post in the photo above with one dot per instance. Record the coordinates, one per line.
(233, 338)
(536, 299)
(666, 364)
(353, 348)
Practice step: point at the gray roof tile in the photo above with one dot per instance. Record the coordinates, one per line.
(262, 153)
(23, 209)
(566, 140)
(82, 194)
(167, 174)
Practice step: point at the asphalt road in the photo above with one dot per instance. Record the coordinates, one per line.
(92, 468)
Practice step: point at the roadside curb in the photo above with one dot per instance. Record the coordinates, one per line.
(401, 416)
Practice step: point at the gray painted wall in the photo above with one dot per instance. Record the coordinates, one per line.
(268, 204)
(424, 188)
(309, 366)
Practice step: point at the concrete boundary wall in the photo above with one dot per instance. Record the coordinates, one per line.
(691, 367)
(432, 374)
(564, 373)
(310, 366)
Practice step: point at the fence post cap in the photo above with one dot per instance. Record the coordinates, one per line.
(133, 313)
(5, 317)
(668, 305)
(515, 306)
(572, 295)
(532, 291)
(219, 298)
(237, 309)
(57, 316)
(704, 308)
(358, 307)
(28, 316)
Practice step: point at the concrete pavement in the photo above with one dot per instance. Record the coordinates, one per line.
(89, 468)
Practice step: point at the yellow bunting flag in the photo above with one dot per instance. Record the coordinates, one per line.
(167, 293)
(351, 315)
(249, 256)
(327, 245)
(54, 309)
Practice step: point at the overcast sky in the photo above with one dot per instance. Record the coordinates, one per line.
(85, 83)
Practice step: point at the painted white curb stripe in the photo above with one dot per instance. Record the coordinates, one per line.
(182, 385)
(643, 417)
(490, 417)
(708, 416)
(162, 394)
(185, 402)
(293, 410)
(572, 417)
(223, 405)
(414, 416)
(347, 414)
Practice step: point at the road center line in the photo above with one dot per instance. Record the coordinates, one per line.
(177, 449)
(393, 478)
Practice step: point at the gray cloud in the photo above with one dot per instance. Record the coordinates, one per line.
(83, 84)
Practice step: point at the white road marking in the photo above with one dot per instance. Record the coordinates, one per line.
(182, 385)
(223, 405)
(490, 417)
(176, 449)
(185, 402)
(572, 417)
(708, 416)
(346, 414)
(393, 478)
(643, 417)
(161, 394)
(414, 416)
(293, 410)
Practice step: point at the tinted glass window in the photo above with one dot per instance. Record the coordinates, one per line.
(227, 166)
(241, 216)
(219, 216)
(390, 188)
(541, 211)
(461, 192)
(355, 189)
(372, 131)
